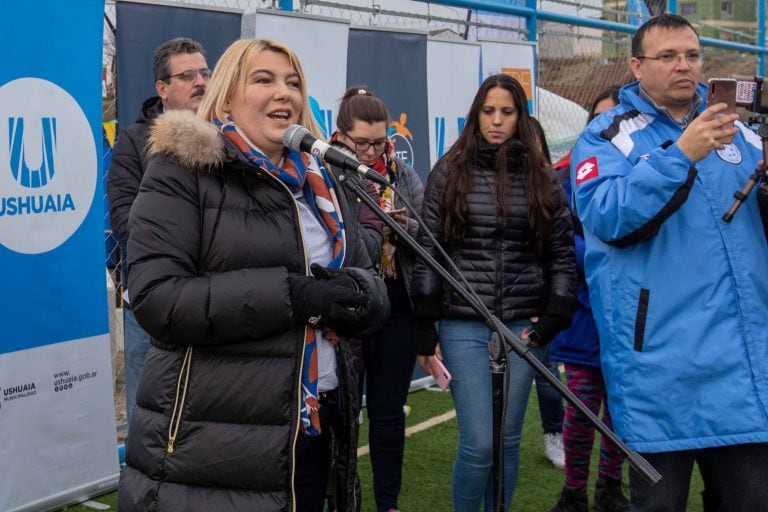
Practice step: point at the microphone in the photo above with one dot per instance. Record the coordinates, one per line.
(298, 138)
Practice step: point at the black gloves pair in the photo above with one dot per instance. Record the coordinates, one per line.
(332, 298)
(546, 328)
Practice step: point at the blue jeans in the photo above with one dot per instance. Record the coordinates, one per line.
(464, 345)
(389, 359)
(550, 402)
(735, 479)
(135, 347)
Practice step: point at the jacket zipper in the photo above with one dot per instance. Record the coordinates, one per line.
(178, 401)
(303, 344)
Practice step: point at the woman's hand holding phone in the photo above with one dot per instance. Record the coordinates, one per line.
(440, 373)
(400, 216)
(433, 365)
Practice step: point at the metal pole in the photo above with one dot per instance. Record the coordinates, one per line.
(761, 36)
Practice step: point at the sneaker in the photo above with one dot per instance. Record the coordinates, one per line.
(572, 500)
(609, 497)
(553, 449)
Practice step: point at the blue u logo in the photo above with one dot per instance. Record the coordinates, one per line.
(440, 133)
(26, 177)
(323, 117)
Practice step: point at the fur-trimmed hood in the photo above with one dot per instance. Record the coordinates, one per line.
(181, 133)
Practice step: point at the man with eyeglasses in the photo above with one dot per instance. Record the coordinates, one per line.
(181, 76)
(679, 295)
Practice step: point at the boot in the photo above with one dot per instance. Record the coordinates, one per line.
(609, 497)
(572, 500)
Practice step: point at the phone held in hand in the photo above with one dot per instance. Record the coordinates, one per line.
(723, 90)
(440, 373)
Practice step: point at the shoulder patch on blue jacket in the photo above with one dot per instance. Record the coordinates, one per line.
(620, 131)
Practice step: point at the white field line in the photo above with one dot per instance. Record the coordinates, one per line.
(424, 425)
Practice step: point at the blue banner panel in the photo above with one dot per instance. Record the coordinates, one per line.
(52, 277)
(394, 66)
(57, 415)
(142, 27)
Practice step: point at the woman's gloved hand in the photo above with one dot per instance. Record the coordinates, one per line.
(349, 300)
(325, 299)
(545, 328)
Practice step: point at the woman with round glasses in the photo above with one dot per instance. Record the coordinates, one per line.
(390, 355)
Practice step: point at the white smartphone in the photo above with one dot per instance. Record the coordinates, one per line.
(440, 373)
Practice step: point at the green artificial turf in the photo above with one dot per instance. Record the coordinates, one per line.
(429, 459)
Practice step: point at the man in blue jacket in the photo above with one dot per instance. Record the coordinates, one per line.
(679, 295)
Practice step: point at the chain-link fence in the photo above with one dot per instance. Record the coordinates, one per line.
(575, 63)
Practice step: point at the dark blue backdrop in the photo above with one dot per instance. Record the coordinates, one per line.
(144, 27)
(394, 66)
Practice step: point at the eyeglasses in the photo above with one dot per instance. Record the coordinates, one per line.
(673, 57)
(361, 145)
(191, 74)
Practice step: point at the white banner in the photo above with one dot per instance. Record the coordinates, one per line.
(321, 45)
(515, 59)
(58, 424)
(453, 70)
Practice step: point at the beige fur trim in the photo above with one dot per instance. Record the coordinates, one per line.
(195, 142)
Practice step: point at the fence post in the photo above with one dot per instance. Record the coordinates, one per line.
(761, 37)
(530, 21)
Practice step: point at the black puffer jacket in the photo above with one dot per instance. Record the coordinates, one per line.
(213, 239)
(497, 254)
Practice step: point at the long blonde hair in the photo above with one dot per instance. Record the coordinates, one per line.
(231, 71)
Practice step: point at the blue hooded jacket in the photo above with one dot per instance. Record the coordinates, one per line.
(579, 344)
(680, 296)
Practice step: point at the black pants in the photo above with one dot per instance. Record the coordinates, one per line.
(735, 476)
(313, 458)
(389, 360)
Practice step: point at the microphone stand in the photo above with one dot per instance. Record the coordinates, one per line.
(502, 341)
(741, 195)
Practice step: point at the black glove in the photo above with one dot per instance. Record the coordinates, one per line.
(331, 299)
(546, 328)
(426, 336)
(427, 311)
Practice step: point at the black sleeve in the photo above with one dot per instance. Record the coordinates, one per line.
(173, 299)
(561, 259)
(412, 187)
(426, 284)
(123, 179)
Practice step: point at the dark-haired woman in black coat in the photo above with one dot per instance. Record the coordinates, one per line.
(504, 222)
